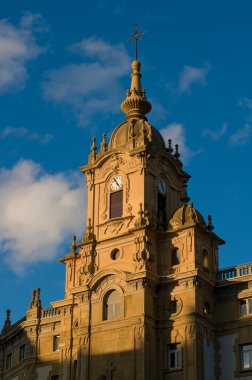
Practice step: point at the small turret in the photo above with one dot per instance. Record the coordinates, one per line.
(7, 323)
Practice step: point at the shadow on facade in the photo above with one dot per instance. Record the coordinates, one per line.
(22, 358)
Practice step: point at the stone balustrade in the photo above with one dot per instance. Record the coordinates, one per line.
(49, 312)
(234, 272)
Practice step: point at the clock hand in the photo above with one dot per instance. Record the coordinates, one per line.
(116, 182)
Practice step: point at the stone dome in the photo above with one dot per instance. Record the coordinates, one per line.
(135, 133)
(186, 215)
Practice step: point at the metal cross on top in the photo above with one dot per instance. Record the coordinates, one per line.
(135, 37)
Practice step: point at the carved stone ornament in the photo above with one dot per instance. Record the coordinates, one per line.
(105, 202)
(116, 225)
(143, 255)
(116, 161)
(143, 218)
(89, 266)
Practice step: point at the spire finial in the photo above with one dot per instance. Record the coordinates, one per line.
(210, 226)
(103, 143)
(73, 246)
(7, 323)
(169, 149)
(8, 314)
(183, 195)
(93, 146)
(135, 37)
(177, 154)
(136, 105)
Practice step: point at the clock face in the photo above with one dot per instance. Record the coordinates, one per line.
(161, 185)
(116, 183)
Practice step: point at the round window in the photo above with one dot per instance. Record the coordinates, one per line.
(115, 254)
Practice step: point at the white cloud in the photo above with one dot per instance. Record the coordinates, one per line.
(192, 76)
(241, 136)
(17, 47)
(245, 102)
(176, 132)
(90, 88)
(39, 211)
(215, 134)
(22, 132)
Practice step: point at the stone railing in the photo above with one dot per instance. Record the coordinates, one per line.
(234, 272)
(49, 312)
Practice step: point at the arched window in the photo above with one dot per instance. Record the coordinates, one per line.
(111, 305)
(116, 197)
(205, 261)
(176, 256)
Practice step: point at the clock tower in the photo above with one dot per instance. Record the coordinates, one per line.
(133, 280)
(136, 267)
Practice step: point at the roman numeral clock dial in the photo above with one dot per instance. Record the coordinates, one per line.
(116, 183)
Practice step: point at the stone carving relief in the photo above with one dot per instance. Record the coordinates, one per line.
(116, 225)
(143, 255)
(181, 246)
(189, 242)
(90, 179)
(105, 202)
(143, 218)
(189, 283)
(128, 207)
(89, 265)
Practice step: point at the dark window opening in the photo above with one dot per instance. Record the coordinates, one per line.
(161, 203)
(162, 211)
(174, 356)
(246, 306)
(176, 257)
(116, 204)
(56, 340)
(22, 352)
(9, 361)
(246, 357)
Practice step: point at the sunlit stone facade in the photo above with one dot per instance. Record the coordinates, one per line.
(144, 296)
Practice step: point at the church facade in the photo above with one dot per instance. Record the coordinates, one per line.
(144, 296)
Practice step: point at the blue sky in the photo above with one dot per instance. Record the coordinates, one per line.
(64, 70)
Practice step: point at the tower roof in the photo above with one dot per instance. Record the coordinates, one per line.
(135, 130)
